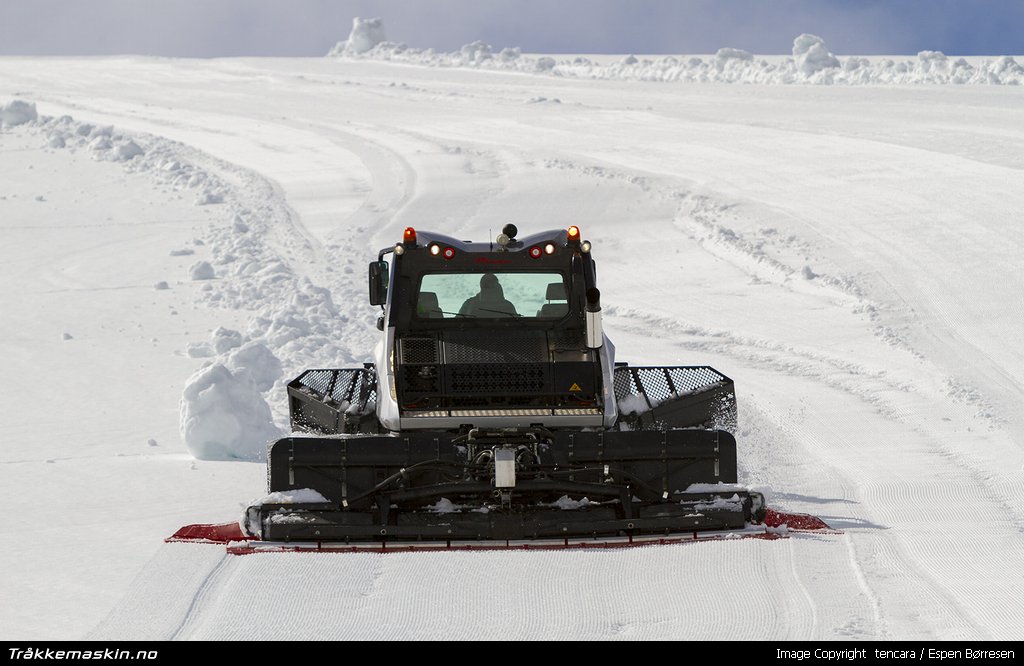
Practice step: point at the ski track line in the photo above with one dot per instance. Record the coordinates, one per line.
(862, 583)
(393, 178)
(194, 610)
(163, 595)
(904, 505)
(698, 216)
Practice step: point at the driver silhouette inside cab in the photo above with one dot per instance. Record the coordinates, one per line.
(490, 302)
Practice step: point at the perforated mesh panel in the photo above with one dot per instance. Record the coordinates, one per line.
(692, 379)
(661, 383)
(525, 378)
(422, 378)
(655, 383)
(562, 339)
(624, 384)
(419, 350)
(318, 380)
(510, 347)
(348, 384)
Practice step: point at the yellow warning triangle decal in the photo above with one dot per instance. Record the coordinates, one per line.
(575, 388)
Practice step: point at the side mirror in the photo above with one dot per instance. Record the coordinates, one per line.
(378, 282)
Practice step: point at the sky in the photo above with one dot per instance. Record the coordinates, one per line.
(211, 28)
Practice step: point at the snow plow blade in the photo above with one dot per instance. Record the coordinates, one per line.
(502, 485)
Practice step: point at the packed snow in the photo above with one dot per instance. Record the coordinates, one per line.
(297, 496)
(847, 254)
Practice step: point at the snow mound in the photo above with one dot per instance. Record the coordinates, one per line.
(127, 151)
(733, 54)
(224, 417)
(811, 63)
(366, 34)
(811, 55)
(17, 112)
(255, 360)
(201, 270)
(225, 339)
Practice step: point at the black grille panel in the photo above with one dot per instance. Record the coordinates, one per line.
(422, 378)
(419, 351)
(503, 347)
(568, 340)
(522, 378)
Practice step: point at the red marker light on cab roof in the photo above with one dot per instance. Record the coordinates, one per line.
(409, 236)
(535, 252)
(449, 252)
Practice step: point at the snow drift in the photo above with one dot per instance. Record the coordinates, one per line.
(224, 416)
(365, 34)
(17, 112)
(811, 63)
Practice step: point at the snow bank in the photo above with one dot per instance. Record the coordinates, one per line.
(224, 416)
(295, 323)
(225, 339)
(201, 270)
(366, 34)
(17, 112)
(811, 63)
(811, 55)
(255, 360)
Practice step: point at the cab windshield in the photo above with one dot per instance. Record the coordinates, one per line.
(492, 296)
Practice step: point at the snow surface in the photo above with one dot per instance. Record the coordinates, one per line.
(848, 255)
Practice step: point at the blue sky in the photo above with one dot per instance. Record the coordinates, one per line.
(206, 28)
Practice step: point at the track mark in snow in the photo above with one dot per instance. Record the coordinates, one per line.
(199, 598)
(862, 583)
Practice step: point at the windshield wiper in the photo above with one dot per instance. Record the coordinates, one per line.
(509, 314)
